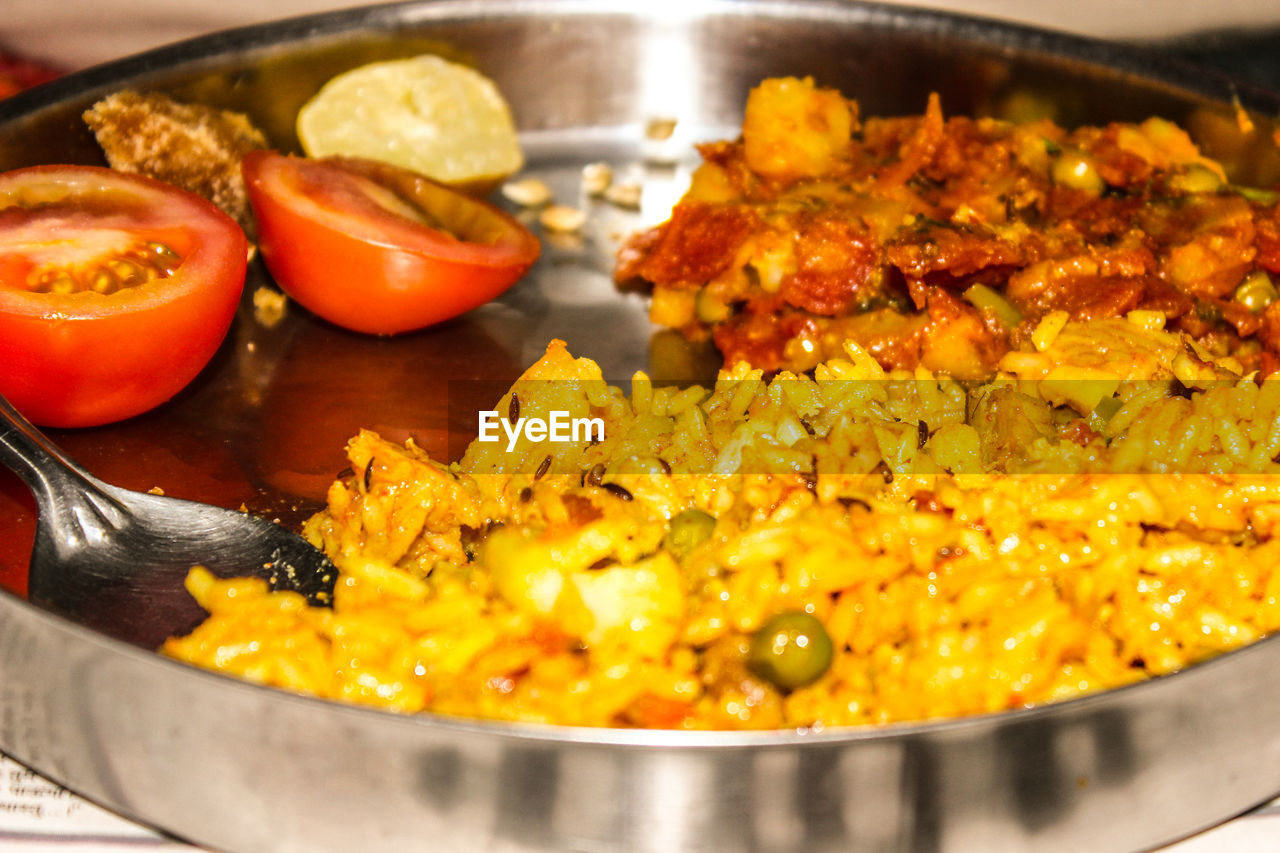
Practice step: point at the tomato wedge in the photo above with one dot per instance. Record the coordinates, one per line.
(115, 291)
(379, 249)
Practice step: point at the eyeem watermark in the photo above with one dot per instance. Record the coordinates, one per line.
(559, 427)
(1019, 428)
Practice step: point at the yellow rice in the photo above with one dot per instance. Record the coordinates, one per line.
(960, 552)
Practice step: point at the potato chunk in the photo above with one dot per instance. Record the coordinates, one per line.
(794, 130)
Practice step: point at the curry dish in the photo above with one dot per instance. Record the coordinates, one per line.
(943, 241)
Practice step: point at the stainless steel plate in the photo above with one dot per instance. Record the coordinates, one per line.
(243, 768)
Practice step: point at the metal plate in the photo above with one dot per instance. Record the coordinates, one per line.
(244, 768)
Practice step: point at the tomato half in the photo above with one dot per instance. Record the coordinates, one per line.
(379, 249)
(115, 291)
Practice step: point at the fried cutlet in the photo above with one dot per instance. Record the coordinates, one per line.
(192, 146)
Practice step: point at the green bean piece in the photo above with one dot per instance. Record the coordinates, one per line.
(1257, 194)
(985, 299)
(1103, 412)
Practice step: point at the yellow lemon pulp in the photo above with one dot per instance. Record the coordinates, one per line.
(441, 119)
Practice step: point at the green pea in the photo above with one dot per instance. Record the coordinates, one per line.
(791, 650)
(1256, 292)
(688, 530)
(1077, 170)
(1196, 179)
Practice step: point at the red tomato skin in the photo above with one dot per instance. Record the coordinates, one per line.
(86, 359)
(366, 269)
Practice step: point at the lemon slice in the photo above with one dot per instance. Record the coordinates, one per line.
(443, 120)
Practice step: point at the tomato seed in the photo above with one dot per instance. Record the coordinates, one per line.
(139, 265)
(163, 258)
(105, 282)
(128, 272)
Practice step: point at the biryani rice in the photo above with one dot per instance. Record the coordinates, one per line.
(966, 548)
